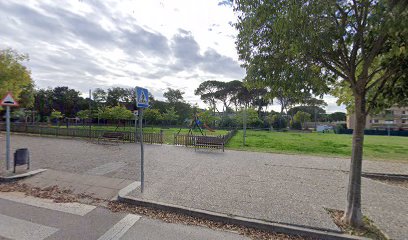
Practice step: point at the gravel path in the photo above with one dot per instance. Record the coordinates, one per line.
(292, 189)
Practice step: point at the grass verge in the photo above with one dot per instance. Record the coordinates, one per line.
(368, 230)
(321, 144)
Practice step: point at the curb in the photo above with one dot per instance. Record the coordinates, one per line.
(23, 175)
(237, 220)
(385, 176)
(126, 190)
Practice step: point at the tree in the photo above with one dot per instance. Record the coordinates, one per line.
(170, 115)
(116, 114)
(87, 114)
(56, 115)
(43, 102)
(152, 115)
(337, 116)
(15, 77)
(183, 110)
(301, 117)
(175, 100)
(116, 96)
(67, 101)
(251, 117)
(120, 113)
(173, 95)
(278, 121)
(313, 45)
(99, 97)
(161, 105)
(308, 109)
(230, 90)
(18, 114)
(207, 117)
(207, 91)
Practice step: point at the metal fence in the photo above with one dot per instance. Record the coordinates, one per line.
(374, 132)
(191, 140)
(128, 136)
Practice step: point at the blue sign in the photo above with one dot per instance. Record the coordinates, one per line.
(142, 97)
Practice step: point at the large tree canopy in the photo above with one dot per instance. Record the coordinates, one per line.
(296, 47)
(15, 77)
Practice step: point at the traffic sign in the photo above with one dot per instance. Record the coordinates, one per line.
(142, 97)
(8, 100)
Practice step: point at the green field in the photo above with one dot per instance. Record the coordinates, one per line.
(322, 144)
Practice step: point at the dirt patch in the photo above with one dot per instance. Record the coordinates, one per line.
(368, 230)
(53, 192)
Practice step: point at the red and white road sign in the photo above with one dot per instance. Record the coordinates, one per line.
(8, 100)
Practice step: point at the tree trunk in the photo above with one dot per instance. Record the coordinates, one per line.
(352, 213)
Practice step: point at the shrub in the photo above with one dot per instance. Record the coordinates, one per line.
(279, 121)
(340, 127)
(228, 122)
(295, 125)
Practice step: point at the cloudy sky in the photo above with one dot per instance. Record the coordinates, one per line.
(85, 44)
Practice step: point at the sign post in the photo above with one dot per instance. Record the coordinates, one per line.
(8, 101)
(142, 101)
(135, 113)
(8, 137)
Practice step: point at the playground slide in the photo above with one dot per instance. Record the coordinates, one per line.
(208, 128)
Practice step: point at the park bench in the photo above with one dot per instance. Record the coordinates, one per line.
(209, 142)
(112, 137)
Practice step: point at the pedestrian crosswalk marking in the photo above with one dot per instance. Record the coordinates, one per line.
(73, 208)
(14, 228)
(120, 228)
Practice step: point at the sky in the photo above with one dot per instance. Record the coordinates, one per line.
(88, 44)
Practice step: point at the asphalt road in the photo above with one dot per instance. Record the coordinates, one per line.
(36, 219)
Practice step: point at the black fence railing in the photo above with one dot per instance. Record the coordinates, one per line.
(126, 136)
(374, 132)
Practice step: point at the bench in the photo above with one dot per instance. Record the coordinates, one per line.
(112, 136)
(209, 142)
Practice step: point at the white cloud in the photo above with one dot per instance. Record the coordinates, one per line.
(155, 44)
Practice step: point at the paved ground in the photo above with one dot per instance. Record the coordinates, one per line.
(28, 218)
(92, 185)
(292, 189)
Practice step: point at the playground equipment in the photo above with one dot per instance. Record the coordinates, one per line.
(208, 128)
(195, 123)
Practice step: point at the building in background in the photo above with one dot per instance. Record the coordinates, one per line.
(395, 118)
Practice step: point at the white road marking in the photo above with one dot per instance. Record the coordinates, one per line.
(120, 228)
(73, 208)
(14, 228)
(106, 168)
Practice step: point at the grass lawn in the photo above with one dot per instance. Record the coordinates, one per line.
(168, 132)
(322, 144)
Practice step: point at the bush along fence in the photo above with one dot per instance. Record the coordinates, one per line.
(199, 141)
(125, 136)
(374, 132)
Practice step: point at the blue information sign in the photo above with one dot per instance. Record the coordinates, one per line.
(142, 97)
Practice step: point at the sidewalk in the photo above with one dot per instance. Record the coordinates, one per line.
(96, 186)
